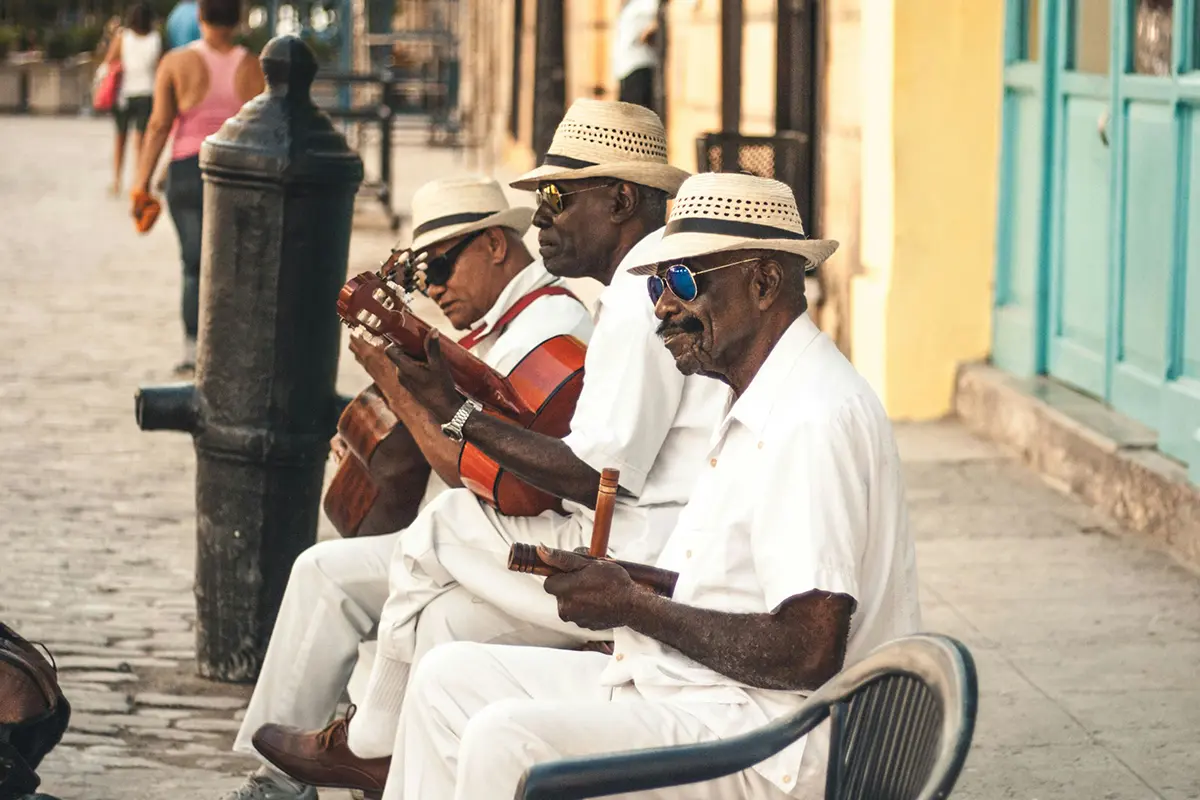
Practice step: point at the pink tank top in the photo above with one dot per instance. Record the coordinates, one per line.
(219, 104)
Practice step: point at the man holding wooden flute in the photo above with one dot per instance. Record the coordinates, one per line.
(793, 553)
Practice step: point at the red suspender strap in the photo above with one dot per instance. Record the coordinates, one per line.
(473, 338)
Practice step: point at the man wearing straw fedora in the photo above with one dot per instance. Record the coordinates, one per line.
(793, 553)
(602, 190)
(479, 272)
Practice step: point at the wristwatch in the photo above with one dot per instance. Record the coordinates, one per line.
(453, 428)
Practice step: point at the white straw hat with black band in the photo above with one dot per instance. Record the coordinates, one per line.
(720, 212)
(607, 139)
(448, 208)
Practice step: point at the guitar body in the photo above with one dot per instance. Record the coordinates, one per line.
(379, 483)
(549, 379)
(539, 394)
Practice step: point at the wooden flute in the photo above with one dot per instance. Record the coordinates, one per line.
(523, 557)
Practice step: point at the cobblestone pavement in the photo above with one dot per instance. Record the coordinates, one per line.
(1087, 642)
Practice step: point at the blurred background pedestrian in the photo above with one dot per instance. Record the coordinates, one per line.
(136, 49)
(634, 58)
(199, 86)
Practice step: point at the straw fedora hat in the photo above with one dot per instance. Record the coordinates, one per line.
(718, 212)
(444, 209)
(605, 139)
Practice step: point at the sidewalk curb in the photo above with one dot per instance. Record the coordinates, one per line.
(1125, 477)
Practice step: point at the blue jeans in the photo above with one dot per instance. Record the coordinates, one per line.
(185, 196)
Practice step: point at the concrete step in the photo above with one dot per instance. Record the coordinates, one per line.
(1106, 459)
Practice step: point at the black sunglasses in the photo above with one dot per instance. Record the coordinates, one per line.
(436, 271)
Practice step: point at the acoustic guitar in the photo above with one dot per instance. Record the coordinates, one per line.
(539, 394)
(381, 479)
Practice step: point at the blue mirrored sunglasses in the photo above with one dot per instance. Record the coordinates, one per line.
(682, 280)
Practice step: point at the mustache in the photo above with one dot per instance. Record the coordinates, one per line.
(681, 325)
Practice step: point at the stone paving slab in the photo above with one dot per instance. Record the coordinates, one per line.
(1087, 642)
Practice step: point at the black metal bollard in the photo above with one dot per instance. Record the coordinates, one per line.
(279, 196)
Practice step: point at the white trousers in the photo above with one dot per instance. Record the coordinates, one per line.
(333, 601)
(331, 604)
(477, 716)
(459, 541)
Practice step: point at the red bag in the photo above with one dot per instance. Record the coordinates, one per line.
(105, 94)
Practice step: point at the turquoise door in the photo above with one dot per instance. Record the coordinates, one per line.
(1098, 268)
(1079, 197)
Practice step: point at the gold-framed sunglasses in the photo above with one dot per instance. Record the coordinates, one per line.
(551, 196)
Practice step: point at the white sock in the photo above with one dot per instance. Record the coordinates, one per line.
(189, 350)
(373, 729)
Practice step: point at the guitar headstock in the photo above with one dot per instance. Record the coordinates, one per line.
(369, 301)
(403, 268)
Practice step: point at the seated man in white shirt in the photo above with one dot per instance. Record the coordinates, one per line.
(793, 552)
(603, 190)
(477, 271)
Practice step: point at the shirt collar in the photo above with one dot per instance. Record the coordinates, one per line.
(753, 408)
(527, 280)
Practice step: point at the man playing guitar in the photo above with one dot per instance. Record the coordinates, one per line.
(481, 275)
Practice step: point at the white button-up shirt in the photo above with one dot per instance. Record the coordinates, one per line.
(544, 318)
(639, 414)
(801, 491)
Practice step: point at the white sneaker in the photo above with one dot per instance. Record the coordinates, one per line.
(259, 786)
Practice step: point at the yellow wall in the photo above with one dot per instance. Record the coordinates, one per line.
(931, 128)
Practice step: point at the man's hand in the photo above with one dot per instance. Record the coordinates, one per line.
(339, 448)
(429, 382)
(596, 595)
(373, 359)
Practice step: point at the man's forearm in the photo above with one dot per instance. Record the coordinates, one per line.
(787, 650)
(542, 461)
(441, 453)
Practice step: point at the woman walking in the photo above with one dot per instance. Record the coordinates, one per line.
(200, 85)
(136, 49)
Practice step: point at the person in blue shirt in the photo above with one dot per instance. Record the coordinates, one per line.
(183, 24)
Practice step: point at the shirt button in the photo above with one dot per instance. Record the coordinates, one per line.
(620, 656)
(688, 554)
(787, 778)
(760, 445)
(712, 462)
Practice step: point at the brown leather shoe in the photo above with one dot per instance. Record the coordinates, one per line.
(321, 758)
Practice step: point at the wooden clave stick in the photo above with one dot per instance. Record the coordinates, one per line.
(606, 500)
(523, 557)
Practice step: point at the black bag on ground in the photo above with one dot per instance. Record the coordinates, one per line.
(33, 713)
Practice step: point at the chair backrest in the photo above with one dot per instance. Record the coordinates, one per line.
(902, 720)
(902, 729)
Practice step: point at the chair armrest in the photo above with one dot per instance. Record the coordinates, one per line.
(639, 770)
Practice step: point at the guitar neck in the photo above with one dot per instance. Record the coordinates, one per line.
(471, 375)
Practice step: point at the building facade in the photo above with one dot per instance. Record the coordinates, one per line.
(1010, 179)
